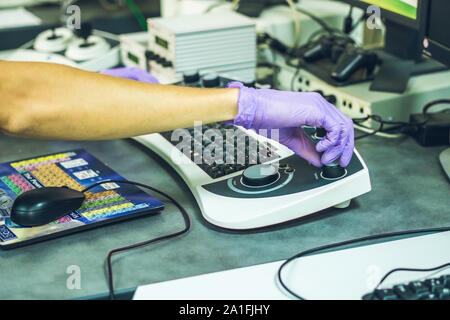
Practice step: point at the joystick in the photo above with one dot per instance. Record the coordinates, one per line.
(260, 175)
(53, 40)
(327, 46)
(84, 32)
(333, 171)
(88, 46)
(271, 184)
(191, 76)
(351, 61)
(211, 80)
(319, 49)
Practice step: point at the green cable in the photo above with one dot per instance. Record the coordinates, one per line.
(137, 13)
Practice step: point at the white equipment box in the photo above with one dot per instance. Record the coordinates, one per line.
(215, 42)
(133, 50)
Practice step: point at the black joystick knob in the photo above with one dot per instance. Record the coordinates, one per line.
(211, 80)
(331, 98)
(150, 55)
(260, 175)
(320, 133)
(53, 36)
(84, 31)
(333, 171)
(191, 76)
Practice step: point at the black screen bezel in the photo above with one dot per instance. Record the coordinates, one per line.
(422, 9)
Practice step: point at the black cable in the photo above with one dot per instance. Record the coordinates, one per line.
(361, 19)
(400, 125)
(433, 103)
(297, 71)
(324, 25)
(379, 129)
(348, 21)
(141, 244)
(349, 242)
(318, 20)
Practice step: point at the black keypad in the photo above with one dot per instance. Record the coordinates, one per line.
(429, 289)
(239, 151)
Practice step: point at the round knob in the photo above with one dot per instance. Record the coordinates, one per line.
(84, 31)
(331, 99)
(211, 80)
(167, 64)
(158, 59)
(333, 171)
(250, 83)
(150, 55)
(54, 35)
(320, 133)
(191, 76)
(260, 175)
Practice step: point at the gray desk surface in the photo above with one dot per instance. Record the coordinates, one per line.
(409, 191)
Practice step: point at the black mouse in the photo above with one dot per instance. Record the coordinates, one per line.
(44, 205)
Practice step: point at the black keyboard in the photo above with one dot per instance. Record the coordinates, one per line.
(230, 161)
(429, 289)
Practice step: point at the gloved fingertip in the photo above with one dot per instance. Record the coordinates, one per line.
(328, 158)
(346, 157)
(316, 162)
(343, 162)
(312, 157)
(321, 146)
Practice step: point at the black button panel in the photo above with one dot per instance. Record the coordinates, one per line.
(296, 175)
(239, 150)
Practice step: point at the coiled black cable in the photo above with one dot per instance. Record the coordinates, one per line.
(353, 241)
(141, 244)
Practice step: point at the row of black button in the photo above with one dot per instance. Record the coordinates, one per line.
(150, 55)
(430, 289)
(238, 151)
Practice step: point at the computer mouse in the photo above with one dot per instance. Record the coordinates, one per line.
(44, 205)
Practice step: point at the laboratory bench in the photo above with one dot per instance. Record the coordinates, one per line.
(409, 191)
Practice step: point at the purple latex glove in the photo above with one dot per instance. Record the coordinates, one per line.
(288, 111)
(133, 73)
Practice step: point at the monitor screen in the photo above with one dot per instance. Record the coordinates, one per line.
(406, 8)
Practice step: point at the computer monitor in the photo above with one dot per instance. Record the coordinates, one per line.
(405, 21)
(436, 40)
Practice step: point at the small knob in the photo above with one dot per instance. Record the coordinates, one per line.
(150, 55)
(54, 36)
(331, 98)
(211, 80)
(260, 175)
(191, 76)
(318, 91)
(84, 31)
(166, 64)
(333, 171)
(158, 59)
(320, 133)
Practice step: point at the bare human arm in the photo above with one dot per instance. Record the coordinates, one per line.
(50, 101)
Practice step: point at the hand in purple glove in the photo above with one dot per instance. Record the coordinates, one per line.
(133, 73)
(288, 111)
